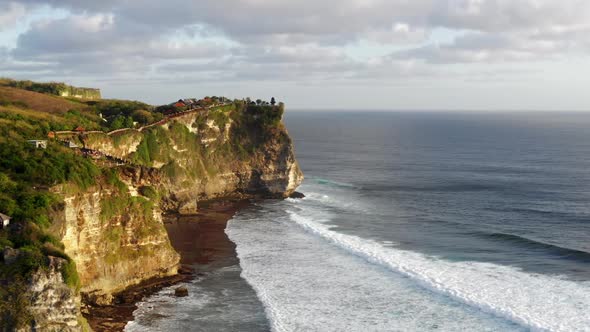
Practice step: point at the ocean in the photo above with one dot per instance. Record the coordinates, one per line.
(413, 222)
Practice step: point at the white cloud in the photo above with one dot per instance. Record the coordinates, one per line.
(298, 41)
(10, 14)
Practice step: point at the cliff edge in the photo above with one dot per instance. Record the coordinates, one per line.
(234, 151)
(88, 207)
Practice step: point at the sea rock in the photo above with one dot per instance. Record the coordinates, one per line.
(181, 291)
(297, 194)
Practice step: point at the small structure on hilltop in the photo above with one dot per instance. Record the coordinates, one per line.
(51, 135)
(39, 144)
(70, 144)
(4, 220)
(180, 103)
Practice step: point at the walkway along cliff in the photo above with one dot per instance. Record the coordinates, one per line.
(113, 231)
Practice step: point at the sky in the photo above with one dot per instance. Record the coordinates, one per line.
(311, 54)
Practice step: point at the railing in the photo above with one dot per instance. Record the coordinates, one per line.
(90, 152)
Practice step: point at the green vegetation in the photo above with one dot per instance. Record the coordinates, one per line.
(149, 148)
(123, 113)
(24, 168)
(120, 204)
(149, 192)
(117, 202)
(253, 125)
(29, 123)
(70, 274)
(220, 115)
(14, 305)
(266, 115)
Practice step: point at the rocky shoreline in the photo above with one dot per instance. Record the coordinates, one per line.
(200, 239)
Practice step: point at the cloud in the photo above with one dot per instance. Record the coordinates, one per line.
(306, 40)
(10, 14)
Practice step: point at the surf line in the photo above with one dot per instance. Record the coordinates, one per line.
(376, 254)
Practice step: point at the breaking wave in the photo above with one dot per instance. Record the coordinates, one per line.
(538, 302)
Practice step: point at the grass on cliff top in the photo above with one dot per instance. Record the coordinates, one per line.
(37, 101)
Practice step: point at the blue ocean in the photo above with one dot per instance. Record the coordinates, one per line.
(418, 222)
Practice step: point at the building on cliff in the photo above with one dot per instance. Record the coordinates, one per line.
(4, 220)
(70, 144)
(39, 144)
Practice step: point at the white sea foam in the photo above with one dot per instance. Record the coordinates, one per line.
(307, 284)
(538, 302)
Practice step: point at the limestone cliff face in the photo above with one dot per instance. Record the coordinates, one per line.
(54, 305)
(44, 299)
(210, 154)
(116, 238)
(114, 231)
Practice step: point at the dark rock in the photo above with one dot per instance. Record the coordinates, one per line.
(297, 194)
(181, 291)
(186, 270)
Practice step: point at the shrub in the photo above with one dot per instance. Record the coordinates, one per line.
(149, 192)
(14, 305)
(70, 275)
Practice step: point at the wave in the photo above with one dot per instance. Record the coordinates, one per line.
(562, 252)
(446, 187)
(332, 183)
(555, 216)
(538, 302)
(307, 284)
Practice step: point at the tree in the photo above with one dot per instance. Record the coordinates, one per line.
(258, 101)
(118, 122)
(128, 123)
(273, 101)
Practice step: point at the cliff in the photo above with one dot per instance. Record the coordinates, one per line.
(195, 156)
(114, 231)
(115, 236)
(98, 222)
(236, 150)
